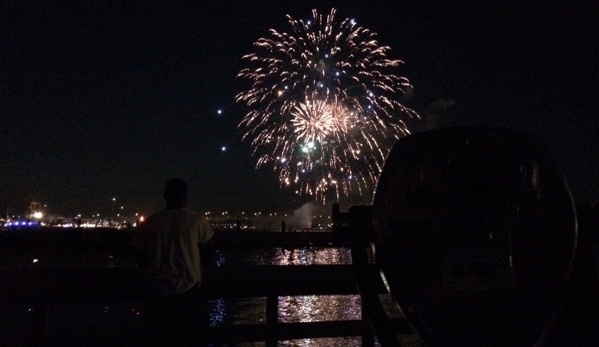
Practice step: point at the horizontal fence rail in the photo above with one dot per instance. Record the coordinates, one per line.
(55, 286)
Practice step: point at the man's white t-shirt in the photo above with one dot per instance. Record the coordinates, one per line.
(171, 239)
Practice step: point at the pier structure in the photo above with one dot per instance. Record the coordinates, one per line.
(43, 288)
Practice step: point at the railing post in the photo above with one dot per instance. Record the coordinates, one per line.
(361, 234)
(272, 318)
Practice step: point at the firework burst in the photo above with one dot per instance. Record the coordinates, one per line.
(324, 105)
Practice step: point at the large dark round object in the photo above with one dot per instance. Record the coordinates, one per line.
(475, 232)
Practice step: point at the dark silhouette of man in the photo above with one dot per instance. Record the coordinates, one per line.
(175, 246)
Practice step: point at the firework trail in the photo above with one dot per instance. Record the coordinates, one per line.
(323, 105)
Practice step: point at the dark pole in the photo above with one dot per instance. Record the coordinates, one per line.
(356, 224)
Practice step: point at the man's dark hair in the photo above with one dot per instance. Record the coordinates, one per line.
(175, 188)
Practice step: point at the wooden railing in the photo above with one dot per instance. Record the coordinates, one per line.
(55, 286)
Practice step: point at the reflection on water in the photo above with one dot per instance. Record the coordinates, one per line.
(100, 258)
(318, 308)
(223, 312)
(312, 256)
(292, 309)
(333, 342)
(283, 256)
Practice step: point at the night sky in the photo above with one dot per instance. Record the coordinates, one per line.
(111, 98)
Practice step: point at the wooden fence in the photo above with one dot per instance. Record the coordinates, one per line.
(56, 286)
